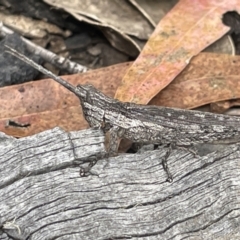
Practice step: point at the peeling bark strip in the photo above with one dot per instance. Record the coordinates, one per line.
(42, 195)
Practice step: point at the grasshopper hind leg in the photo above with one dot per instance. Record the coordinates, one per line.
(172, 146)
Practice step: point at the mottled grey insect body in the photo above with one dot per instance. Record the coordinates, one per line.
(153, 124)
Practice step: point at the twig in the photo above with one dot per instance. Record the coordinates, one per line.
(59, 62)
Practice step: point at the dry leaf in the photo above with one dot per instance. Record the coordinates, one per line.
(115, 14)
(223, 106)
(114, 19)
(172, 45)
(156, 9)
(69, 119)
(45, 104)
(29, 27)
(210, 77)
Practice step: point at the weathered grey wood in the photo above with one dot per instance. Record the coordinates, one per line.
(125, 197)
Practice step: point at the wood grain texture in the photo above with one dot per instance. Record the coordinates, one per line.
(126, 197)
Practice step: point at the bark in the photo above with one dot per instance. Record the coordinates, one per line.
(42, 195)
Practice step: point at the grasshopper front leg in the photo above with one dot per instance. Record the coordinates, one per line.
(115, 133)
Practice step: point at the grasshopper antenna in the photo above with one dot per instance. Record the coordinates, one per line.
(41, 69)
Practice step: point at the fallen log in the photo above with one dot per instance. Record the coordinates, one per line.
(42, 195)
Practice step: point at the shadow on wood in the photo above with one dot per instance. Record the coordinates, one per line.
(42, 195)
